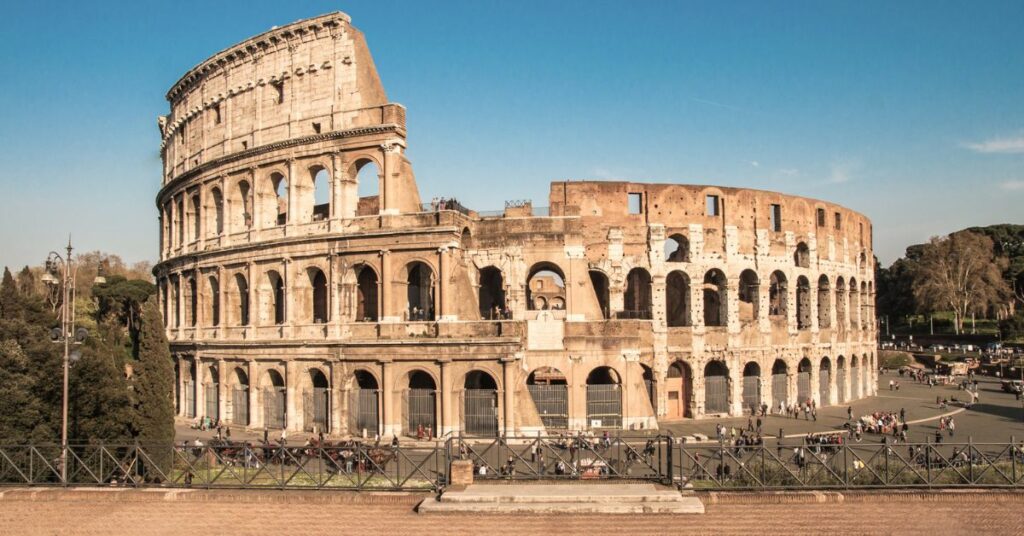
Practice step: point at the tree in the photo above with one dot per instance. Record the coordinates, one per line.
(895, 289)
(960, 273)
(154, 388)
(20, 412)
(101, 406)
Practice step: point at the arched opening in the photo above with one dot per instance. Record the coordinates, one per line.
(825, 381)
(193, 302)
(715, 299)
(749, 296)
(638, 294)
(841, 394)
(856, 389)
(492, 294)
(421, 405)
(242, 215)
(677, 249)
(214, 301)
(368, 178)
(716, 387)
(316, 403)
(480, 404)
(318, 286)
(751, 387)
(802, 256)
(549, 390)
(466, 239)
(274, 399)
(212, 393)
(176, 284)
(840, 303)
(857, 316)
(824, 303)
(650, 386)
(274, 299)
(364, 402)
(778, 295)
(803, 381)
(218, 211)
(419, 292)
(280, 210)
(604, 398)
(780, 391)
(179, 213)
(600, 283)
(190, 390)
(240, 399)
(679, 390)
(321, 194)
(677, 299)
(366, 299)
(242, 295)
(803, 303)
(197, 220)
(545, 286)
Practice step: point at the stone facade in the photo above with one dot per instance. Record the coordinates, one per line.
(291, 301)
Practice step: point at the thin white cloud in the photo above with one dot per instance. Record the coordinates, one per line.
(755, 163)
(840, 173)
(789, 172)
(1013, 186)
(1004, 145)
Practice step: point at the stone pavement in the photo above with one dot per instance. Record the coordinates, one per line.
(563, 498)
(161, 513)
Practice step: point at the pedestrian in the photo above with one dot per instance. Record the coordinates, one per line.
(903, 414)
(951, 427)
(266, 434)
(227, 433)
(849, 413)
(814, 413)
(759, 424)
(807, 412)
(890, 385)
(750, 424)
(938, 436)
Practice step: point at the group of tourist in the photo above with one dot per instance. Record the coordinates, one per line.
(807, 408)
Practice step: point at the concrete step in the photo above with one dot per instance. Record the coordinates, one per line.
(564, 498)
(690, 506)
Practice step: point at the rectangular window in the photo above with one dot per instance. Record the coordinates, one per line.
(711, 206)
(839, 221)
(821, 217)
(279, 86)
(775, 218)
(636, 204)
(216, 114)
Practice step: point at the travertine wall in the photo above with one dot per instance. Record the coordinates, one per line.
(382, 314)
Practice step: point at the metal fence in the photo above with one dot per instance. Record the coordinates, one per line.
(480, 407)
(716, 394)
(552, 403)
(751, 393)
(803, 387)
(841, 386)
(824, 387)
(274, 411)
(240, 407)
(364, 412)
(779, 390)
(421, 410)
(604, 406)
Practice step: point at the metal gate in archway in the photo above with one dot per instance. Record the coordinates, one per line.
(363, 412)
(316, 408)
(480, 412)
(751, 393)
(190, 399)
(421, 410)
(824, 389)
(716, 394)
(841, 385)
(552, 403)
(604, 406)
(803, 387)
(274, 411)
(240, 407)
(855, 389)
(779, 390)
(212, 401)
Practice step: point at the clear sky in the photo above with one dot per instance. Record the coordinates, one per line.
(910, 112)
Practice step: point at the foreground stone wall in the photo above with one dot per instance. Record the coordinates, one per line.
(293, 302)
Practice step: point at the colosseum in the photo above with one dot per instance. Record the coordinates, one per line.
(297, 298)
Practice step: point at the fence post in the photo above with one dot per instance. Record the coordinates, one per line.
(970, 458)
(846, 465)
(885, 445)
(928, 459)
(668, 462)
(1013, 459)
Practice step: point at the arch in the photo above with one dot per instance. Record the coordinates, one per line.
(176, 286)
(545, 282)
(179, 213)
(858, 321)
(716, 298)
(278, 212)
(780, 384)
(318, 306)
(321, 207)
(778, 295)
(803, 303)
(752, 387)
(317, 402)
(716, 387)
(840, 302)
(420, 418)
(638, 294)
(803, 381)
(214, 300)
(599, 281)
(480, 403)
(679, 390)
(856, 387)
(364, 403)
(825, 381)
(193, 302)
(217, 198)
(419, 291)
(242, 299)
(212, 393)
(491, 294)
(274, 400)
(241, 217)
(240, 398)
(677, 299)
(549, 391)
(824, 303)
(802, 256)
(749, 295)
(368, 176)
(604, 398)
(466, 238)
(197, 221)
(274, 299)
(677, 249)
(366, 294)
(650, 385)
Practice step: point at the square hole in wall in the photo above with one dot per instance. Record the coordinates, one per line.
(636, 203)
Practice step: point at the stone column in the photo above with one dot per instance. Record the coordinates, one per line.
(441, 307)
(255, 415)
(182, 386)
(386, 309)
(200, 389)
(387, 406)
(508, 384)
(289, 295)
(293, 198)
(338, 425)
(445, 393)
(222, 399)
(292, 406)
(388, 187)
(735, 391)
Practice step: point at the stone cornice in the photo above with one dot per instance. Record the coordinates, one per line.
(270, 147)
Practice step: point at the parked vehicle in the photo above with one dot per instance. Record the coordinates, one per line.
(1013, 386)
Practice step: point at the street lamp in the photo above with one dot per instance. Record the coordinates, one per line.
(62, 291)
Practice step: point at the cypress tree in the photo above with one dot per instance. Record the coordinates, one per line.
(101, 408)
(154, 389)
(20, 411)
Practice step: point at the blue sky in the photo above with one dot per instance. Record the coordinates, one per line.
(910, 112)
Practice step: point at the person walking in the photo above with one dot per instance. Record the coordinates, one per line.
(903, 415)
(849, 413)
(952, 426)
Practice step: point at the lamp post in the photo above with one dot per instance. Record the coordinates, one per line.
(62, 291)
